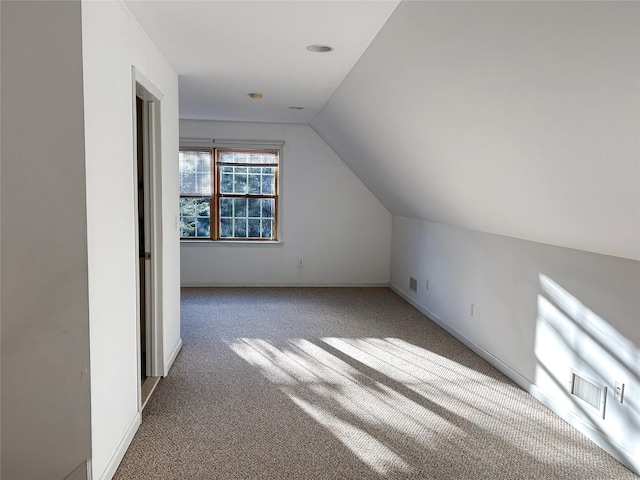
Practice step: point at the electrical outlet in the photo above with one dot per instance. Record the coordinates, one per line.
(300, 262)
(472, 309)
(618, 392)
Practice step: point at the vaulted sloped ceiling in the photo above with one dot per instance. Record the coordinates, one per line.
(514, 118)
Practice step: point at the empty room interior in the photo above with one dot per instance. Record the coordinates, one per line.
(319, 239)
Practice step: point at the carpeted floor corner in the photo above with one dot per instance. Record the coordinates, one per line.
(342, 383)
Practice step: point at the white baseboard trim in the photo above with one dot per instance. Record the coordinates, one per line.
(284, 285)
(172, 358)
(595, 435)
(519, 379)
(115, 460)
(589, 430)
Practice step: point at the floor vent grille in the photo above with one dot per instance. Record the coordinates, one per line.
(588, 392)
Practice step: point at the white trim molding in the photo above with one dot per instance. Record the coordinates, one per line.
(286, 285)
(172, 357)
(118, 455)
(230, 143)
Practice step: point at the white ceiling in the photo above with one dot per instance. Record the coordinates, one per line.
(223, 50)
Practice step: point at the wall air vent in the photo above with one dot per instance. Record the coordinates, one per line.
(413, 285)
(588, 392)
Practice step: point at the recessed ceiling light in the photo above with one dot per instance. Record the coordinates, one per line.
(296, 108)
(255, 95)
(319, 48)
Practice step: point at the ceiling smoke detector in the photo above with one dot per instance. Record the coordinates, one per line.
(255, 95)
(320, 48)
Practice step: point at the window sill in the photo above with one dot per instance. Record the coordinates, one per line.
(230, 243)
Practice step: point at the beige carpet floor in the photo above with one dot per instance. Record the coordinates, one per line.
(334, 383)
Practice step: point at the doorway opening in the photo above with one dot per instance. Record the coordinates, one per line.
(148, 241)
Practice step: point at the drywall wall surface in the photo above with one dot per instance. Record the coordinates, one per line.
(113, 42)
(0, 248)
(329, 219)
(539, 312)
(45, 316)
(514, 118)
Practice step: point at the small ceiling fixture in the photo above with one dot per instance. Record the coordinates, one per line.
(255, 95)
(296, 108)
(319, 48)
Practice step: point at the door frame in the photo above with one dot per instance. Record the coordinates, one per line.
(152, 98)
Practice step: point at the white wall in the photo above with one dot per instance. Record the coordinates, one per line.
(329, 218)
(539, 311)
(112, 43)
(514, 118)
(45, 312)
(0, 250)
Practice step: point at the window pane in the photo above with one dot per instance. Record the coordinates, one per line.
(188, 182)
(267, 228)
(187, 226)
(202, 227)
(240, 183)
(267, 207)
(187, 162)
(254, 228)
(226, 207)
(239, 207)
(203, 183)
(194, 217)
(227, 183)
(240, 227)
(195, 167)
(188, 207)
(254, 207)
(226, 157)
(203, 161)
(248, 157)
(255, 169)
(226, 169)
(268, 184)
(202, 207)
(225, 228)
(254, 184)
(187, 166)
(268, 170)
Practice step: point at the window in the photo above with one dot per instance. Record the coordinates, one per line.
(229, 194)
(195, 193)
